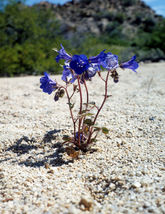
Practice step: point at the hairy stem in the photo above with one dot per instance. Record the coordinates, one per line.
(99, 73)
(87, 97)
(71, 113)
(80, 120)
(103, 102)
(86, 93)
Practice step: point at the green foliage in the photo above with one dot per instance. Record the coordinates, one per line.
(25, 45)
(28, 35)
(91, 45)
(105, 130)
(157, 39)
(151, 46)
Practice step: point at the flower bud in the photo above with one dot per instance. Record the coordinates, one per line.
(61, 92)
(56, 97)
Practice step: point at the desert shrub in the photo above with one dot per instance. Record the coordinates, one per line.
(148, 24)
(157, 37)
(26, 37)
(120, 17)
(154, 39)
(112, 26)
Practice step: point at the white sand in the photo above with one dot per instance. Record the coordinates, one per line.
(125, 175)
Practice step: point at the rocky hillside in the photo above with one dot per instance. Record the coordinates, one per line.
(29, 33)
(125, 17)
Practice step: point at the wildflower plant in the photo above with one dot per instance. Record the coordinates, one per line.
(77, 71)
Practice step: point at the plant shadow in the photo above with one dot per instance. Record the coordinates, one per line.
(35, 154)
(22, 148)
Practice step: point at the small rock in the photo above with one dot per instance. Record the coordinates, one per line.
(50, 171)
(146, 204)
(136, 184)
(152, 209)
(151, 118)
(85, 204)
(112, 186)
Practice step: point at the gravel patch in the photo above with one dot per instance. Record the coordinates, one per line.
(123, 173)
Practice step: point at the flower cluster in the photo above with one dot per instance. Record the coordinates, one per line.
(78, 69)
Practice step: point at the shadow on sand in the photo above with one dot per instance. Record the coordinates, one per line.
(37, 156)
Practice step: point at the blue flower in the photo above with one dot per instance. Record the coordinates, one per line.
(79, 64)
(110, 62)
(63, 55)
(97, 59)
(82, 137)
(93, 68)
(47, 84)
(107, 60)
(67, 75)
(131, 64)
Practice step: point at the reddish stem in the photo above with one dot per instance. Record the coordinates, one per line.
(71, 113)
(99, 73)
(80, 120)
(105, 97)
(86, 93)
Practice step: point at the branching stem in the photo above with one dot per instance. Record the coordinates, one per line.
(97, 114)
(70, 109)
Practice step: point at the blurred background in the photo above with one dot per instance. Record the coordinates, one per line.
(30, 29)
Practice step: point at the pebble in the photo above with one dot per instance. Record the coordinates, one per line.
(112, 186)
(136, 185)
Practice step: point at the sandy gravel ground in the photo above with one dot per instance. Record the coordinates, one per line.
(125, 171)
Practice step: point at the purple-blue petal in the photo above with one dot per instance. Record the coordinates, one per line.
(97, 59)
(131, 64)
(73, 79)
(110, 62)
(68, 76)
(66, 73)
(93, 68)
(79, 64)
(106, 60)
(62, 54)
(47, 84)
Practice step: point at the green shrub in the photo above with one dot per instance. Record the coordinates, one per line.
(27, 36)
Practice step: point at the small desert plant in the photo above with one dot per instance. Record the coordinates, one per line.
(78, 70)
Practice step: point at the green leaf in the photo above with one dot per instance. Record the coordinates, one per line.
(71, 105)
(105, 130)
(84, 111)
(84, 114)
(66, 138)
(92, 103)
(88, 122)
(96, 129)
(93, 140)
(89, 114)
